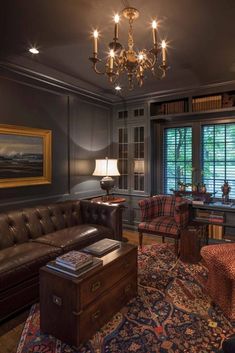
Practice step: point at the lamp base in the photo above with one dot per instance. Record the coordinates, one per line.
(107, 183)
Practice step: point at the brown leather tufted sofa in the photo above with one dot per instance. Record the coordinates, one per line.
(31, 237)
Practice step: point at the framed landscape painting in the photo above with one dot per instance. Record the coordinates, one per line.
(25, 156)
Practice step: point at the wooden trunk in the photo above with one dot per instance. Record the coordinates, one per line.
(74, 309)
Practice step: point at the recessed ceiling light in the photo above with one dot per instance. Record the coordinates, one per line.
(118, 88)
(34, 50)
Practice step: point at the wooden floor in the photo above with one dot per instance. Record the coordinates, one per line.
(10, 331)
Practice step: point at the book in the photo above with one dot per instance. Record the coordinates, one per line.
(198, 202)
(102, 247)
(55, 266)
(74, 260)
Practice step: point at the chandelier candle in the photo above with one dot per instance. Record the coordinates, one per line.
(154, 27)
(111, 59)
(95, 44)
(163, 53)
(116, 20)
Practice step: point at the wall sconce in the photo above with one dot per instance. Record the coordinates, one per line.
(106, 168)
(139, 166)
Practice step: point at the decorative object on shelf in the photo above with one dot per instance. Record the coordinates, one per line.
(25, 156)
(203, 188)
(106, 168)
(194, 195)
(225, 188)
(181, 185)
(133, 63)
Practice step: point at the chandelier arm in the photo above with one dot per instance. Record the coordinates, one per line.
(152, 58)
(97, 70)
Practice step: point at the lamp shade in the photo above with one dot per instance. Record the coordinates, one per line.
(106, 167)
(139, 166)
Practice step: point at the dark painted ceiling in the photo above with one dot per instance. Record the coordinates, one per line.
(201, 35)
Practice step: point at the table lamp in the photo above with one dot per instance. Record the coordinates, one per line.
(139, 166)
(106, 168)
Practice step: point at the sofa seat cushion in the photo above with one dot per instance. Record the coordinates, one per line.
(75, 237)
(22, 261)
(162, 224)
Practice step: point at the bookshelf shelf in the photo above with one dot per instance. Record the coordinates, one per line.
(219, 215)
(195, 105)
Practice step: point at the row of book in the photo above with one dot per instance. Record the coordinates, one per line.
(210, 216)
(75, 263)
(206, 103)
(176, 107)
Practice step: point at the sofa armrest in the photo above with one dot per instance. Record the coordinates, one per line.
(103, 214)
(181, 214)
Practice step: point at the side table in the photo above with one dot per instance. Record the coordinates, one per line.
(192, 239)
(109, 199)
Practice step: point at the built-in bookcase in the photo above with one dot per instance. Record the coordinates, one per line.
(169, 107)
(213, 102)
(194, 104)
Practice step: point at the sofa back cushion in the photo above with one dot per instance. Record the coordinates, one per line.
(12, 229)
(30, 223)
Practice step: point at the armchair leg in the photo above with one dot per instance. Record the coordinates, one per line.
(163, 239)
(140, 239)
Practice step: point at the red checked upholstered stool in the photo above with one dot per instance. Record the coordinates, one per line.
(220, 261)
(163, 215)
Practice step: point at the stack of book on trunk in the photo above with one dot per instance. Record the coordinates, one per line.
(74, 263)
(102, 247)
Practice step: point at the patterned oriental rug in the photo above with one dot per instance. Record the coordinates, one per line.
(172, 314)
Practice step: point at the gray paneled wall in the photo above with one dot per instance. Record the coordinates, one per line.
(80, 133)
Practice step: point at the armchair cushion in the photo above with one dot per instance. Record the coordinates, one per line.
(165, 206)
(162, 224)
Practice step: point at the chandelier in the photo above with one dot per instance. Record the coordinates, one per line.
(133, 63)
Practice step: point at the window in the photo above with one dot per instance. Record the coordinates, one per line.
(139, 158)
(138, 112)
(123, 158)
(177, 157)
(123, 114)
(131, 155)
(218, 157)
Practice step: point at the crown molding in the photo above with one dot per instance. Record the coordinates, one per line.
(186, 91)
(51, 82)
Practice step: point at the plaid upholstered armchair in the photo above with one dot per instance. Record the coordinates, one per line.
(163, 215)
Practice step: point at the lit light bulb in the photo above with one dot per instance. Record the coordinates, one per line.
(163, 44)
(116, 18)
(34, 50)
(118, 88)
(154, 24)
(111, 53)
(141, 56)
(96, 33)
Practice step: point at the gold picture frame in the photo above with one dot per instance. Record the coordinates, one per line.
(25, 156)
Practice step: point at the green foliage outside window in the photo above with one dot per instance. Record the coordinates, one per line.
(218, 157)
(177, 157)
